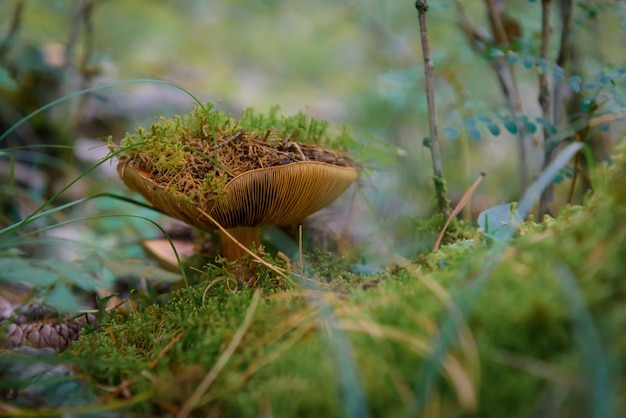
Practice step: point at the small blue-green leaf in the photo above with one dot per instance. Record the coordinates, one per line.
(495, 52)
(618, 94)
(574, 83)
(511, 126)
(528, 61)
(469, 122)
(590, 86)
(547, 125)
(558, 179)
(474, 133)
(512, 57)
(557, 73)
(451, 132)
(6, 81)
(606, 78)
(543, 65)
(530, 127)
(484, 119)
(587, 103)
(494, 129)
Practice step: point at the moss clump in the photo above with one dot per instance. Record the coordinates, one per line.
(196, 155)
(521, 345)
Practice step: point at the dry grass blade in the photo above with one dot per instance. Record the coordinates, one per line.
(466, 338)
(458, 208)
(272, 267)
(458, 377)
(221, 362)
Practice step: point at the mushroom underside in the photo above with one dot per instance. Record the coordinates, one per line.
(279, 195)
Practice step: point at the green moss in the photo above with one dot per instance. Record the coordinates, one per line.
(287, 360)
(194, 156)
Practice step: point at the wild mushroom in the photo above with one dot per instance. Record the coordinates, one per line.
(258, 174)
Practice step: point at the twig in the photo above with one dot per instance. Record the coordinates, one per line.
(497, 26)
(167, 348)
(14, 26)
(505, 73)
(457, 209)
(197, 395)
(86, 69)
(429, 70)
(564, 55)
(545, 100)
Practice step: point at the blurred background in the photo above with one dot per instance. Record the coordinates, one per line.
(355, 63)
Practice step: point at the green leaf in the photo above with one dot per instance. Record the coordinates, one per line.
(587, 103)
(496, 222)
(451, 132)
(62, 299)
(494, 129)
(528, 61)
(22, 270)
(512, 57)
(574, 83)
(530, 127)
(510, 126)
(547, 125)
(70, 273)
(6, 81)
(140, 269)
(474, 133)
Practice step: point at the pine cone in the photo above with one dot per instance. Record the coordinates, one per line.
(58, 336)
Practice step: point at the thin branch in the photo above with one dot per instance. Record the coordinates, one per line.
(14, 26)
(483, 44)
(429, 73)
(85, 65)
(545, 100)
(564, 55)
(497, 26)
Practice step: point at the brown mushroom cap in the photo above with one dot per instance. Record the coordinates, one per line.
(277, 195)
(281, 195)
(163, 199)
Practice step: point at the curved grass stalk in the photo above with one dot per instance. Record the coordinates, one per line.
(32, 216)
(95, 88)
(35, 217)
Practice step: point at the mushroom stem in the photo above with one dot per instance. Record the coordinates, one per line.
(247, 236)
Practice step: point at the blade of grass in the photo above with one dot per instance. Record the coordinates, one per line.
(197, 394)
(29, 218)
(11, 171)
(95, 88)
(588, 340)
(15, 242)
